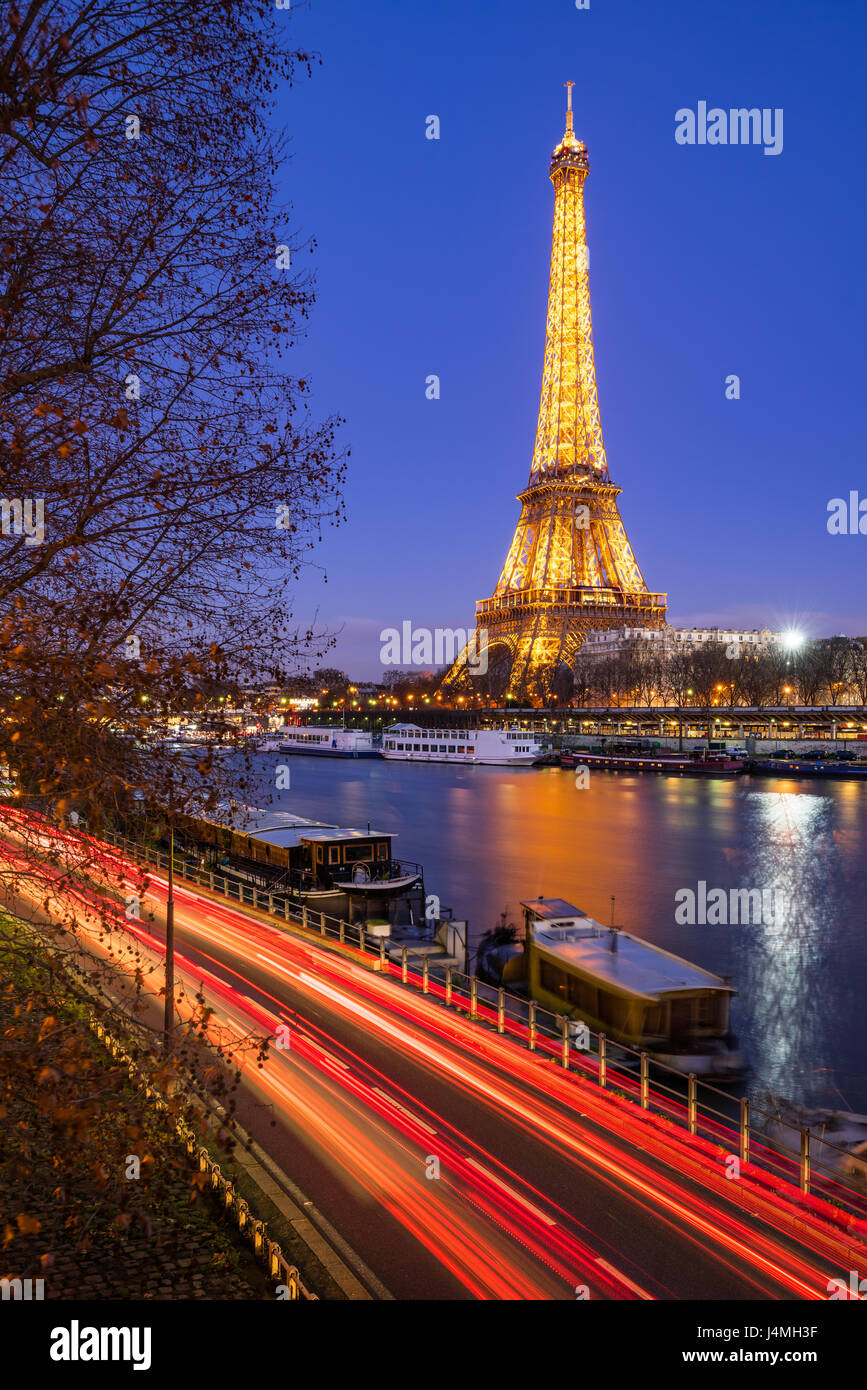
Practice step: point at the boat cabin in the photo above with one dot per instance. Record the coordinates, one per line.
(619, 984)
(344, 871)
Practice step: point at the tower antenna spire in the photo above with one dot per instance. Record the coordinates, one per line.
(570, 569)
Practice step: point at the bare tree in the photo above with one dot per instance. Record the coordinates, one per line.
(163, 480)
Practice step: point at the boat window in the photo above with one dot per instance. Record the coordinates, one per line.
(334, 854)
(706, 1010)
(442, 748)
(552, 979)
(400, 747)
(382, 849)
(470, 749)
(451, 748)
(653, 1020)
(352, 854)
(424, 748)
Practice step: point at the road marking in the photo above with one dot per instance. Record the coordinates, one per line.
(642, 1293)
(421, 1124)
(327, 1055)
(512, 1193)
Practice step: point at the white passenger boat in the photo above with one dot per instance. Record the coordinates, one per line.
(322, 741)
(627, 988)
(506, 747)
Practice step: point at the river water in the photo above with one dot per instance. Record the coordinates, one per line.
(489, 837)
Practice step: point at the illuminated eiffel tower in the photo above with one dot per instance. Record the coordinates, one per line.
(570, 567)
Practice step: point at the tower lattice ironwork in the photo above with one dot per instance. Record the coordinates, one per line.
(570, 567)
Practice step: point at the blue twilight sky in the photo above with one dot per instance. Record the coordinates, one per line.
(432, 257)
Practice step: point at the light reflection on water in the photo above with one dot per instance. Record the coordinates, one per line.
(489, 837)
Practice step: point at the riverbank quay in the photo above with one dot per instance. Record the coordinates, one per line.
(106, 1192)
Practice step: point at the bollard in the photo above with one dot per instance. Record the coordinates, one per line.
(501, 1010)
(403, 965)
(745, 1131)
(645, 1079)
(424, 975)
(474, 997)
(603, 1060)
(564, 1041)
(805, 1160)
(531, 1026)
(448, 985)
(692, 1107)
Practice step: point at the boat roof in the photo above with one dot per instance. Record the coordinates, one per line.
(545, 908)
(637, 967)
(256, 819)
(288, 831)
(289, 837)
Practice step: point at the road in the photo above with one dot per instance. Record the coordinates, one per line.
(460, 1165)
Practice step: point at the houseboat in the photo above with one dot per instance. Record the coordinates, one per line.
(506, 747)
(630, 758)
(620, 985)
(776, 766)
(322, 742)
(347, 873)
(838, 1138)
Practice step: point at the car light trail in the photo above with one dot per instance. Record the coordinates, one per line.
(499, 1235)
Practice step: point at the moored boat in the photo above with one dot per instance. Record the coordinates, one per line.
(699, 761)
(800, 767)
(345, 872)
(324, 742)
(838, 1138)
(497, 747)
(636, 993)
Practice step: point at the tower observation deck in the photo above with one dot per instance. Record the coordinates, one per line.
(570, 568)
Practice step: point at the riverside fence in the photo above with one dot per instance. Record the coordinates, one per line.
(756, 1133)
(236, 1207)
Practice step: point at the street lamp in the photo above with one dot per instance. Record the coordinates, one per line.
(169, 1016)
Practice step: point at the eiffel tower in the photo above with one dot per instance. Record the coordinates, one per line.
(570, 567)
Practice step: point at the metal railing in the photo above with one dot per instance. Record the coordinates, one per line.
(277, 904)
(702, 1109)
(236, 1207)
(637, 1076)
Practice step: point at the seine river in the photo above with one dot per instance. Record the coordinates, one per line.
(489, 837)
